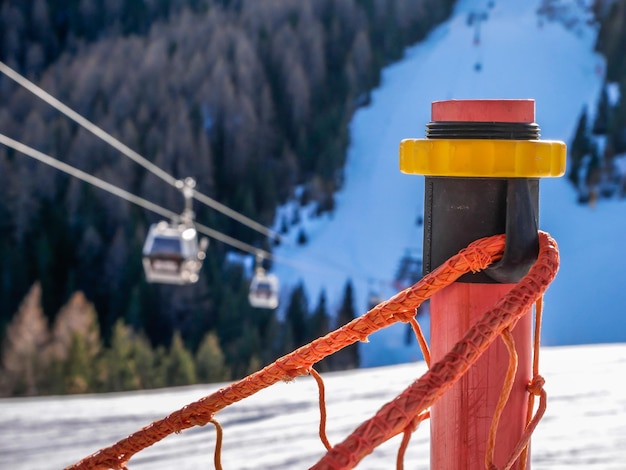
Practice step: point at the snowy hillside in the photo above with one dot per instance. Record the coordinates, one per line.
(508, 52)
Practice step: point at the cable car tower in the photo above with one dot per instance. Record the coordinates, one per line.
(171, 252)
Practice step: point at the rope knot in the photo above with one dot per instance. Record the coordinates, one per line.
(535, 386)
(476, 257)
(404, 317)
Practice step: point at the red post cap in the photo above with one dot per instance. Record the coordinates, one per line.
(484, 110)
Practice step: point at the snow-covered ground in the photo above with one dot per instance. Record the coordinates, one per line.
(521, 55)
(584, 426)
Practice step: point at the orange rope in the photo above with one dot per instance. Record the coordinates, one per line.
(417, 329)
(400, 307)
(509, 380)
(535, 387)
(394, 417)
(322, 403)
(400, 414)
(217, 457)
(408, 432)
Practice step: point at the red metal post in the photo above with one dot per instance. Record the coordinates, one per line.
(461, 419)
(482, 160)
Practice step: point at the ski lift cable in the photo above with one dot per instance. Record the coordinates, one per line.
(137, 200)
(130, 153)
(157, 171)
(86, 177)
(144, 203)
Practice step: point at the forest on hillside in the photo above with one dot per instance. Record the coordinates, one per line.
(252, 98)
(597, 152)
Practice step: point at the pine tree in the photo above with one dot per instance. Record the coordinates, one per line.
(120, 365)
(254, 365)
(260, 87)
(79, 369)
(160, 363)
(612, 37)
(579, 148)
(302, 237)
(210, 360)
(601, 123)
(319, 326)
(284, 227)
(617, 135)
(76, 346)
(145, 359)
(593, 175)
(297, 314)
(348, 357)
(319, 322)
(180, 369)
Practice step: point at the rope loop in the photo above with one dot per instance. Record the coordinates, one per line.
(402, 414)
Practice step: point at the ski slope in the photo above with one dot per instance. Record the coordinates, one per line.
(521, 56)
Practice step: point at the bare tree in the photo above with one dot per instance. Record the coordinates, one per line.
(76, 345)
(77, 317)
(26, 336)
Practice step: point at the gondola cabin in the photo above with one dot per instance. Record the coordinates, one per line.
(171, 254)
(263, 290)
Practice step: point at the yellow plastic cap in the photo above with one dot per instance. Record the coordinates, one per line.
(486, 158)
(483, 158)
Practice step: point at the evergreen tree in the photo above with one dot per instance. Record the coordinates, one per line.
(180, 369)
(158, 377)
(287, 343)
(320, 326)
(319, 321)
(210, 360)
(76, 346)
(593, 174)
(601, 123)
(612, 38)
(254, 365)
(348, 357)
(302, 237)
(80, 369)
(578, 149)
(617, 135)
(254, 95)
(145, 359)
(120, 366)
(296, 317)
(242, 330)
(284, 228)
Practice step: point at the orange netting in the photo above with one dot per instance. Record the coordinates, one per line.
(405, 412)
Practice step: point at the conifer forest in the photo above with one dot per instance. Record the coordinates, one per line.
(251, 98)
